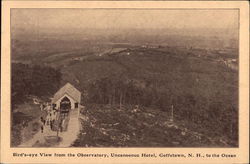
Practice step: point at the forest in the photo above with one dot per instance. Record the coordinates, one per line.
(203, 93)
(33, 80)
(206, 113)
(28, 81)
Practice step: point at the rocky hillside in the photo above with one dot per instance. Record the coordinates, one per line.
(105, 126)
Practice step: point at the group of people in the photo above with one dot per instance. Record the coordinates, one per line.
(46, 106)
(50, 118)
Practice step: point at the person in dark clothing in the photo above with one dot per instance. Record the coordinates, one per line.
(42, 128)
(51, 125)
(42, 123)
(43, 120)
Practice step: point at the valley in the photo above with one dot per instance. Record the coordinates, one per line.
(198, 83)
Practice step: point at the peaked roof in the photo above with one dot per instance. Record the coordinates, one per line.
(70, 90)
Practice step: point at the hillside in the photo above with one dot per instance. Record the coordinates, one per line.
(203, 92)
(105, 126)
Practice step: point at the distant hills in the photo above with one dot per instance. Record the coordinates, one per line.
(74, 38)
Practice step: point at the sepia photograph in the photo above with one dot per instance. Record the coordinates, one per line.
(124, 77)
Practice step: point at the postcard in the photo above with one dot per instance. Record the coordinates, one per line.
(125, 82)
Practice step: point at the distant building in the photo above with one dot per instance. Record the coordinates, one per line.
(66, 98)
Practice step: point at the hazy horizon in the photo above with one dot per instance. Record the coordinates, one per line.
(119, 20)
(197, 28)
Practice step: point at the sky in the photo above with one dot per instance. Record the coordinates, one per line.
(123, 18)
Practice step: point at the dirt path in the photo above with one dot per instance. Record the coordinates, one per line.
(68, 137)
(39, 137)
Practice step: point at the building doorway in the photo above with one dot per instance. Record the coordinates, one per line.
(65, 106)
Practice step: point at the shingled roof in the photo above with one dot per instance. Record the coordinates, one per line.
(70, 90)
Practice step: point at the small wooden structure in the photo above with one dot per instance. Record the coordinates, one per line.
(65, 99)
(68, 97)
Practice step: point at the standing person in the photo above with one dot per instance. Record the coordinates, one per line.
(41, 107)
(51, 125)
(48, 118)
(42, 124)
(42, 128)
(42, 120)
(53, 117)
(49, 107)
